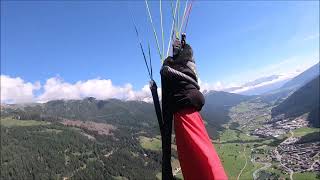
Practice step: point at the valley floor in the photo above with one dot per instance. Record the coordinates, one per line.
(247, 156)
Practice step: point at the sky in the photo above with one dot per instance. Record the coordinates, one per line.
(70, 50)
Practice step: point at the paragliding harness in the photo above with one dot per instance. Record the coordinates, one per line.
(166, 127)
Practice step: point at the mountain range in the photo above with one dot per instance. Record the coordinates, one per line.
(275, 83)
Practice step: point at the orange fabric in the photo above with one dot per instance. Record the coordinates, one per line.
(198, 158)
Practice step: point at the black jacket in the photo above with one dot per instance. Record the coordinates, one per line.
(178, 94)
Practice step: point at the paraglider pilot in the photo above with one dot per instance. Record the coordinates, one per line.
(182, 101)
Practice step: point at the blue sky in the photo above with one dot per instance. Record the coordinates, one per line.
(233, 42)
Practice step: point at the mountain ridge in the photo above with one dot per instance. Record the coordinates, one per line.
(303, 100)
(302, 78)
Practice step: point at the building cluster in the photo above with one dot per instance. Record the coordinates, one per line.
(280, 127)
(299, 157)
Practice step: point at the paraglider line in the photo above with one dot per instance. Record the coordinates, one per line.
(162, 34)
(174, 12)
(154, 30)
(188, 15)
(140, 43)
(184, 15)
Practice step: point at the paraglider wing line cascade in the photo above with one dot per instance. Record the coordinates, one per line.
(174, 11)
(140, 43)
(153, 28)
(153, 85)
(188, 14)
(162, 34)
(184, 15)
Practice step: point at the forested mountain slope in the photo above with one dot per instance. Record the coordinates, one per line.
(304, 100)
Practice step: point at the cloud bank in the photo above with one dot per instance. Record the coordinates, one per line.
(16, 90)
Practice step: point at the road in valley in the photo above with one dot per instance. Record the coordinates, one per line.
(245, 165)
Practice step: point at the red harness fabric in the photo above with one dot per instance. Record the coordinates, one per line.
(197, 156)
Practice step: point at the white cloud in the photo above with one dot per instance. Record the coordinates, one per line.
(217, 86)
(56, 88)
(279, 79)
(204, 86)
(238, 88)
(16, 90)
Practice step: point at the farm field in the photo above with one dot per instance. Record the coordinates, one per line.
(10, 122)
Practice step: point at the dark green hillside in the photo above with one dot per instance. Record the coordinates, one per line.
(311, 137)
(304, 100)
(218, 103)
(133, 115)
(216, 109)
(53, 151)
(115, 111)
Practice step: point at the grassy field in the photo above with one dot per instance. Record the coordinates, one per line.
(304, 131)
(154, 144)
(241, 108)
(234, 135)
(150, 143)
(52, 131)
(234, 156)
(9, 122)
(306, 175)
(119, 178)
